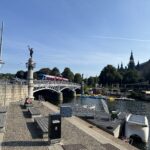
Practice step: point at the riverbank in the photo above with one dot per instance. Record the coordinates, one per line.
(21, 132)
(95, 138)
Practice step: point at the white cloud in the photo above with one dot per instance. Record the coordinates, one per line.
(120, 38)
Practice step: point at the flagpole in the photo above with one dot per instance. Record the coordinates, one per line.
(1, 40)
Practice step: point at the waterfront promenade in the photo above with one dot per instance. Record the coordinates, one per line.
(21, 133)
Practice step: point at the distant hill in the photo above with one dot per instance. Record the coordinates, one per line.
(144, 70)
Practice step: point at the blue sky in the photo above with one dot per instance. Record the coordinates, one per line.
(84, 35)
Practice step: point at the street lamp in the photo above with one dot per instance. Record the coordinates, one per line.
(1, 39)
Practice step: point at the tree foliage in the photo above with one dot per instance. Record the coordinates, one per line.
(67, 73)
(77, 78)
(6, 76)
(131, 76)
(91, 81)
(45, 71)
(109, 75)
(21, 74)
(55, 71)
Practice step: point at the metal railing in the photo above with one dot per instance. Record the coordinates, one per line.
(54, 82)
(39, 83)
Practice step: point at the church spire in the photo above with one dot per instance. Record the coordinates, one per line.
(131, 64)
(121, 66)
(131, 57)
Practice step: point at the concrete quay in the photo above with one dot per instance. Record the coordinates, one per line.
(21, 133)
(88, 135)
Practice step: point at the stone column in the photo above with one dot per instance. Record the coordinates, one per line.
(60, 97)
(30, 66)
(74, 93)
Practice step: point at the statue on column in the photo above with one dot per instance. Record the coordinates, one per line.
(31, 51)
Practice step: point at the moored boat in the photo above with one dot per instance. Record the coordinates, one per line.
(137, 125)
(125, 99)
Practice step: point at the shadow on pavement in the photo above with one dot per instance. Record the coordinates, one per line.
(25, 143)
(34, 131)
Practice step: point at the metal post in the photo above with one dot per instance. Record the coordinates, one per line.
(82, 86)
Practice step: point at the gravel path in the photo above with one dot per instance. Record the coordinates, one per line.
(20, 131)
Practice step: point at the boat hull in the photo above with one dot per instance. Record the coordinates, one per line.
(138, 129)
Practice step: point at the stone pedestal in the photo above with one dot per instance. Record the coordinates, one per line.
(30, 66)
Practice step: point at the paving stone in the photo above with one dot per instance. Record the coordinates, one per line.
(74, 147)
(18, 134)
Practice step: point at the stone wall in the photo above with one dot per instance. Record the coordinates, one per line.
(12, 93)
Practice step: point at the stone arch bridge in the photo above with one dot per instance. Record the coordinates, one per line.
(18, 89)
(57, 86)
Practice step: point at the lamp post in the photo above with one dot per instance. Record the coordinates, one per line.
(82, 86)
(1, 39)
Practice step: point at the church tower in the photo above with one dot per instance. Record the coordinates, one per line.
(131, 64)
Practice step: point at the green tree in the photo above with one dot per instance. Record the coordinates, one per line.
(109, 75)
(55, 71)
(35, 75)
(45, 71)
(131, 76)
(6, 76)
(67, 73)
(91, 81)
(77, 78)
(21, 74)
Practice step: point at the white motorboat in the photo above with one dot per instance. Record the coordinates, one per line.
(85, 106)
(137, 125)
(125, 99)
(92, 107)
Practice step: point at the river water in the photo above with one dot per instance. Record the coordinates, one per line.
(135, 107)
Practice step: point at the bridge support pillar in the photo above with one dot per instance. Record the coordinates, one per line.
(60, 97)
(74, 94)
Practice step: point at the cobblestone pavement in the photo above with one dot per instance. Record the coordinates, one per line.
(20, 132)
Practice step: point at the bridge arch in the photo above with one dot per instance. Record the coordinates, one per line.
(70, 88)
(41, 89)
(57, 86)
(47, 94)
